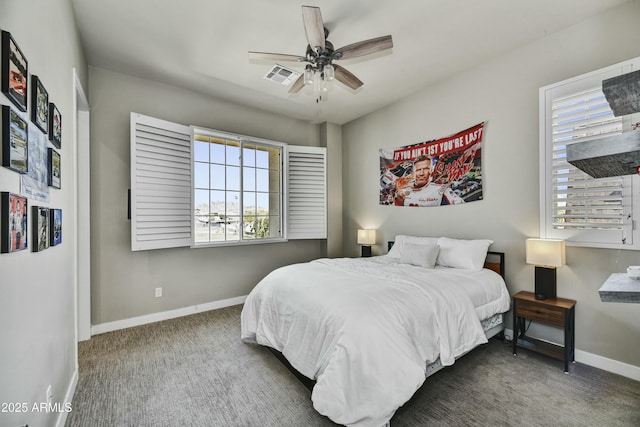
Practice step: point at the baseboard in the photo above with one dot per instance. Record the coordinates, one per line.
(165, 315)
(606, 364)
(68, 399)
(600, 362)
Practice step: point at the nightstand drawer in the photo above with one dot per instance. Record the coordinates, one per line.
(542, 313)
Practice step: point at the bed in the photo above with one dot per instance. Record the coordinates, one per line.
(369, 331)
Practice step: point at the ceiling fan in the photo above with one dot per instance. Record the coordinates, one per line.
(320, 55)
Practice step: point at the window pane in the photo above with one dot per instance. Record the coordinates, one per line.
(201, 175)
(249, 155)
(233, 178)
(233, 228)
(249, 203)
(217, 150)
(249, 179)
(262, 158)
(201, 202)
(262, 180)
(262, 203)
(233, 153)
(233, 203)
(274, 180)
(274, 226)
(218, 205)
(274, 203)
(201, 151)
(217, 177)
(274, 158)
(249, 228)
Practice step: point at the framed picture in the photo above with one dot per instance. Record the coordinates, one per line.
(55, 227)
(13, 222)
(40, 225)
(39, 104)
(53, 168)
(14, 72)
(15, 138)
(55, 125)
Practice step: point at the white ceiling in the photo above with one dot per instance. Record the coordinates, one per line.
(202, 45)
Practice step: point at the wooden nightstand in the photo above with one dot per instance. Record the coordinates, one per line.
(556, 312)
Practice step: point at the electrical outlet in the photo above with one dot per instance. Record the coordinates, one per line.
(158, 292)
(49, 395)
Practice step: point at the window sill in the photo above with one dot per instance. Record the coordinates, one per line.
(240, 243)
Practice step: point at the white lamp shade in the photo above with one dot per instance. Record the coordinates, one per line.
(367, 237)
(545, 252)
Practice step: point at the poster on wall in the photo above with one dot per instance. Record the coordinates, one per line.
(35, 183)
(14, 72)
(13, 222)
(40, 228)
(55, 227)
(445, 171)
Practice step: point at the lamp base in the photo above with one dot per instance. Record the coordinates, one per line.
(366, 251)
(545, 283)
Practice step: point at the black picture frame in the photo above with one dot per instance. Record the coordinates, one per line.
(54, 168)
(39, 104)
(15, 71)
(40, 226)
(55, 227)
(14, 132)
(14, 222)
(55, 126)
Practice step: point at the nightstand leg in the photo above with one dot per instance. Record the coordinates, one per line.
(514, 340)
(567, 340)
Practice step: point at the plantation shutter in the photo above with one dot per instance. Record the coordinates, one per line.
(580, 201)
(307, 193)
(160, 184)
(582, 210)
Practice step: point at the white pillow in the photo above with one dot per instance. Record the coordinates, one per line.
(421, 255)
(400, 240)
(458, 253)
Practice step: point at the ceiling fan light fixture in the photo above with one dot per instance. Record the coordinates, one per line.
(308, 75)
(329, 73)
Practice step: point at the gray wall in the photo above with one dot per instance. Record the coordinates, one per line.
(504, 93)
(37, 326)
(123, 282)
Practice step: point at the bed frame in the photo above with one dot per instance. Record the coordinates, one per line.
(494, 261)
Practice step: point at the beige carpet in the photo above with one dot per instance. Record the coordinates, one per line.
(195, 371)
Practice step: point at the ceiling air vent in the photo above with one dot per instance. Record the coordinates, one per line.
(282, 75)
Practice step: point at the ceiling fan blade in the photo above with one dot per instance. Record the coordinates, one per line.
(275, 56)
(313, 26)
(297, 85)
(365, 47)
(346, 77)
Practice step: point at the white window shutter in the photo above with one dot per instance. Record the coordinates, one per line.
(160, 184)
(307, 192)
(582, 210)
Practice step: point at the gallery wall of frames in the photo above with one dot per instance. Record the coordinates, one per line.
(31, 134)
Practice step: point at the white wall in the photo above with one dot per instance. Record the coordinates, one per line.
(503, 92)
(37, 327)
(123, 282)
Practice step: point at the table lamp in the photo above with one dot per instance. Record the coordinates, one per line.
(546, 255)
(366, 238)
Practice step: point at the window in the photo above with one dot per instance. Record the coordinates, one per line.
(237, 189)
(200, 187)
(574, 206)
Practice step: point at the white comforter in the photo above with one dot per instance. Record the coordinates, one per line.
(365, 329)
